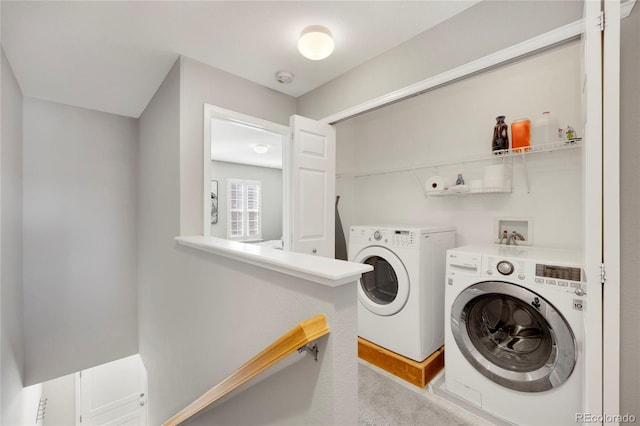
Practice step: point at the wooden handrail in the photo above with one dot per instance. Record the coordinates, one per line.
(302, 334)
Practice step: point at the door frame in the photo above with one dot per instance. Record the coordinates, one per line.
(613, 11)
(593, 395)
(211, 111)
(602, 382)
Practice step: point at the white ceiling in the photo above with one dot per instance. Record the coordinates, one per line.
(233, 142)
(112, 56)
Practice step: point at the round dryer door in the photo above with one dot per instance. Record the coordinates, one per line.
(385, 290)
(513, 336)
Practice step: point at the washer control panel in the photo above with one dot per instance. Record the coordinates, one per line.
(387, 237)
(498, 267)
(403, 238)
(560, 277)
(505, 267)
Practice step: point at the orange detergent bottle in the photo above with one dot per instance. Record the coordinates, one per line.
(521, 135)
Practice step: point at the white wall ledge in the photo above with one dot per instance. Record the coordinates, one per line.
(329, 272)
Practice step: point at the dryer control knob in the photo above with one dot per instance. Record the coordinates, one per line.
(504, 267)
(377, 235)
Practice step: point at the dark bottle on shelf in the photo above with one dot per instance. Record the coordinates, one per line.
(500, 136)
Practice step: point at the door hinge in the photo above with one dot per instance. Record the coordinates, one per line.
(602, 21)
(603, 274)
(80, 419)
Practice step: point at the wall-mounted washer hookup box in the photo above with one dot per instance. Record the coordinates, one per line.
(523, 226)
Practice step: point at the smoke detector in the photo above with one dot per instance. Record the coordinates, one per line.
(284, 77)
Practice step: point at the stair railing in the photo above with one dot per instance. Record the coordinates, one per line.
(297, 338)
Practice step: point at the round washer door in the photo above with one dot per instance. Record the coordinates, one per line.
(513, 336)
(385, 290)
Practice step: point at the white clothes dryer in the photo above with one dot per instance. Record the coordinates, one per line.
(400, 302)
(515, 331)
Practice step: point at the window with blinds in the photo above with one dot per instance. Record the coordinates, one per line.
(244, 214)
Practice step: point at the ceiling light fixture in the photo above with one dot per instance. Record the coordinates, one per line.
(315, 43)
(261, 148)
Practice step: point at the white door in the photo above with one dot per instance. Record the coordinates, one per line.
(113, 394)
(311, 187)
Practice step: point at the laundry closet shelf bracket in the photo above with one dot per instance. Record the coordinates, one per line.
(526, 173)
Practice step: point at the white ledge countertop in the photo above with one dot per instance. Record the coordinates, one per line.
(322, 270)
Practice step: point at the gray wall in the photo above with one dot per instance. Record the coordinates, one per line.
(202, 316)
(80, 200)
(11, 332)
(630, 213)
(479, 31)
(203, 84)
(158, 224)
(271, 196)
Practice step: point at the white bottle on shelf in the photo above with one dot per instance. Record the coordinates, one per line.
(546, 129)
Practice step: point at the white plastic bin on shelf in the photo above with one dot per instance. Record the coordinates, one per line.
(497, 178)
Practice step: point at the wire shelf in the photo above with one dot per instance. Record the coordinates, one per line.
(451, 193)
(503, 154)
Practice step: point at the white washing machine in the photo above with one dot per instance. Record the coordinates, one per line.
(400, 302)
(515, 331)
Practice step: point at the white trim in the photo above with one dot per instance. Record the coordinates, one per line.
(322, 270)
(210, 112)
(553, 37)
(611, 209)
(287, 184)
